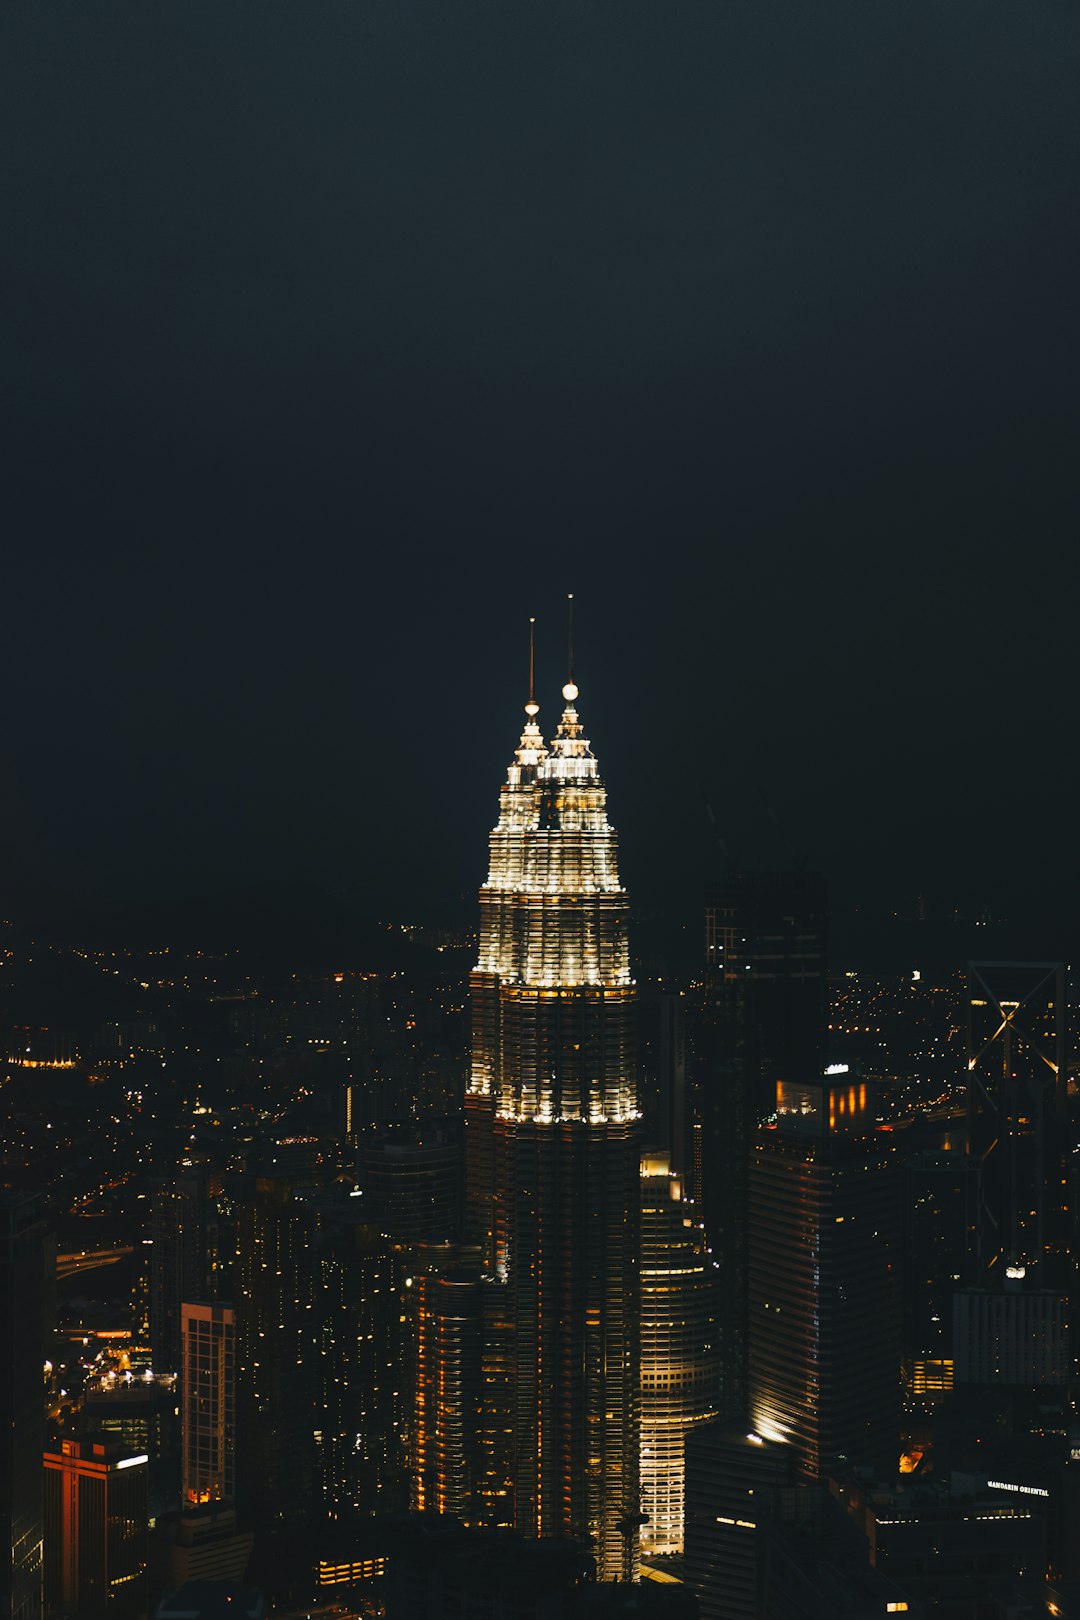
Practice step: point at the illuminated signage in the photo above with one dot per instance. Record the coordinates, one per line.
(1024, 1490)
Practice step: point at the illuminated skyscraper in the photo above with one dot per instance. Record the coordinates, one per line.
(552, 1140)
(680, 1351)
(824, 1250)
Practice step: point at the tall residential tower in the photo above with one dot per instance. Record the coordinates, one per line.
(552, 1139)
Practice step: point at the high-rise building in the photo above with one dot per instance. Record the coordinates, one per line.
(680, 1352)
(824, 1346)
(277, 1345)
(143, 1415)
(731, 1480)
(200, 1544)
(764, 1020)
(183, 1257)
(459, 1365)
(359, 1396)
(1012, 1316)
(207, 1404)
(96, 1531)
(445, 1425)
(939, 1211)
(411, 1183)
(663, 1081)
(22, 1356)
(1016, 1116)
(552, 1142)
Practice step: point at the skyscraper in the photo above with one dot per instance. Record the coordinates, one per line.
(1016, 1112)
(22, 1355)
(179, 1264)
(277, 1344)
(552, 1141)
(824, 1246)
(1012, 1320)
(680, 1351)
(358, 1394)
(764, 1021)
(208, 1404)
(96, 1518)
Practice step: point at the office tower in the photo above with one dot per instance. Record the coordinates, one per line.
(359, 1465)
(955, 1544)
(96, 1528)
(663, 1081)
(179, 1259)
(277, 1344)
(207, 1404)
(1018, 1337)
(458, 1365)
(764, 1019)
(1011, 1317)
(445, 1429)
(139, 1413)
(939, 1212)
(731, 1481)
(22, 1357)
(1016, 1115)
(411, 1183)
(142, 1415)
(200, 1544)
(824, 1339)
(552, 1141)
(680, 1353)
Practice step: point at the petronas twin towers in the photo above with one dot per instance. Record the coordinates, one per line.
(553, 1147)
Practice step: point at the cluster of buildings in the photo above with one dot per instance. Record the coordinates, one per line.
(671, 1312)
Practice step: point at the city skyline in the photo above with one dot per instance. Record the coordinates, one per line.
(442, 1179)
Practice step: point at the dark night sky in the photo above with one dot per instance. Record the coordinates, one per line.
(341, 337)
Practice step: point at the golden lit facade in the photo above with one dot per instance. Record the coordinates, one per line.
(680, 1353)
(208, 1404)
(552, 1141)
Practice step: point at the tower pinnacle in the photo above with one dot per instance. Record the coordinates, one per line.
(570, 691)
(532, 708)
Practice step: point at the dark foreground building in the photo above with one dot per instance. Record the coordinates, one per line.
(22, 1355)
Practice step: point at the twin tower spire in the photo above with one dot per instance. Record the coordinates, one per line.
(570, 691)
(570, 755)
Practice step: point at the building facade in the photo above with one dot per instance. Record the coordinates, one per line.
(763, 1020)
(825, 1233)
(22, 1355)
(680, 1351)
(552, 1135)
(207, 1404)
(96, 1535)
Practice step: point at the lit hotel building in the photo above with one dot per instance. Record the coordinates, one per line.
(680, 1352)
(552, 1140)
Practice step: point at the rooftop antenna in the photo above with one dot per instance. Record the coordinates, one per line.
(570, 691)
(532, 708)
